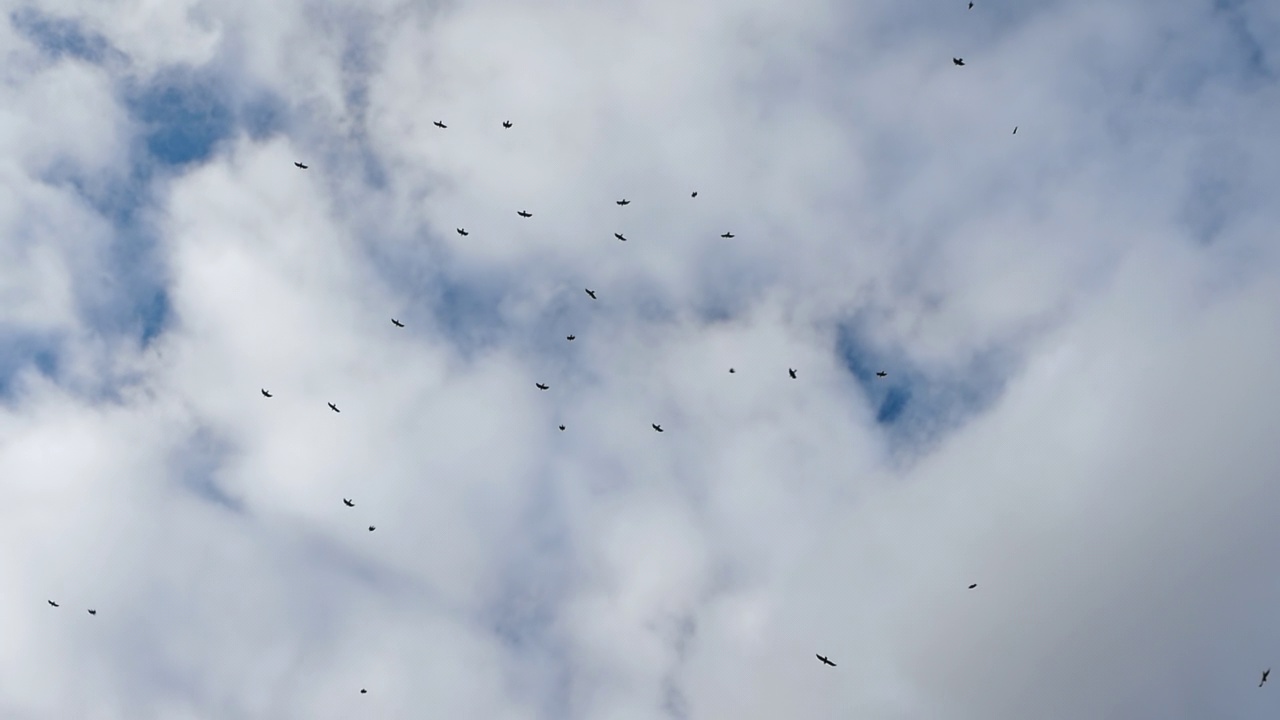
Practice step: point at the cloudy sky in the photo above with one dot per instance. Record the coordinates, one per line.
(1080, 323)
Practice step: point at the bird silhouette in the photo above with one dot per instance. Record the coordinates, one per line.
(93, 612)
(570, 338)
(695, 194)
(970, 6)
(826, 661)
(657, 427)
(372, 528)
(624, 201)
(540, 386)
(619, 236)
(506, 123)
(1015, 129)
(727, 235)
(792, 373)
(266, 394)
(882, 374)
(1265, 673)
(561, 428)
(522, 213)
(348, 503)
(396, 322)
(363, 691)
(463, 232)
(54, 603)
(439, 124)
(334, 407)
(592, 293)
(300, 165)
(973, 586)
(731, 370)
(958, 61)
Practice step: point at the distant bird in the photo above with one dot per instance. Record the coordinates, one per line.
(334, 407)
(731, 370)
(93, 612)
(695, 194)
(462, 232)
(657, 427)
(300, 165)
(372, 528)
(727, 235)
(363, 691)
(266, 394)
(570, 338)
(970, 6)
(826, 661)
(624, 201)
(973, 586)
(540, 386)
(1265, 673)
(439, 124)
(792, 373)
(958, 61)
(522, 213)
(396, 322)
(592, 293)
(506, 123)
(619, 236)
(54, 603)
(881, 374)
(1015, 129)
(561, 428)
(348, 503)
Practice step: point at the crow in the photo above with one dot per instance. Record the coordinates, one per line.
(348, 503)
(973, 586)
(624, 201)
(592, 293)
(570, 338)
(506, 123)
(463, 232)
(1265, 673)
(958, 61)
(561, 428)
(792, 373)
(266, 394)
(372, 528)
(334, 407)
(657, 427)
(695, 194)
(540, 386)
(826, 661)
(731, 371)
(396, 322)
(727, 235)
(619, 236)
(54, 603)
(300, 165)
(522, 213)
(882, 374)
(93, 612)
(363, 691)
(439, 124)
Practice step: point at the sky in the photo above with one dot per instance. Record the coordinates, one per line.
(1079, 322)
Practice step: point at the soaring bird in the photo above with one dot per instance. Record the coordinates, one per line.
(826, 661)
(624, 201)
(619, 236)
(93, 612)
(53, 603)
(958, 61)
(727, 235)
(792, 373)
(463, 232)
(439, 124)
(506, 123)
(561, 428)
(657, 427)
(396, 322)
(695, 194)
(363, 691)
(592, 293)
(570, 338)
(1265, 673)
(540, 386)
(334, 407)
(348, 503)
(973, 586)
(1015, 129)
(881, 374)
(970, 6)
(266, 394)
(300, 165)
(372, 528)
(522, 213)
(731, 371)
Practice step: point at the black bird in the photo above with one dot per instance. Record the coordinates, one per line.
(266, 394)
(958, 61)
(93, 612)
(506, 123)
(462, 232)
(727, 235)
(695, 194)
(592, 293)
(53, 603)
(372, 528)
(881, 374)
(439, 124)
(1015, 129)
(657, 427)
(1265, 673)
(348, 503)
(619, 236)
(363, 691)
(570, 337)
(792, 373)
(973, 586)
(522, 213)
(561, 428)
(970, 6)
(396, 322)
(298, 164)
(624, 201)
(540, 386)
(731, 370)
(334, 407)
(826, 661)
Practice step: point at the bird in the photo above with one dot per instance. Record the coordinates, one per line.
(561, 428)
(463, 232)
(334, 407)
(619, 236)
(570, 338)
(731, 371)
(396, 322)
(657, 427)
(624, 201)
(522, 213)
(958, 61)
(363, 691)
(372, 528)
(973, 586)
(970, 6)
(695, 194)
(266, 394)
(540, 386)
(727, 235)
(881, 374)
(93, 612)
(300, 165)
(348, 503)
(592, 293)
(826, 661)
(506, 123)
(1015, 129)
(792, 373)
(54, 603)
(1265, 673)
(439, 124)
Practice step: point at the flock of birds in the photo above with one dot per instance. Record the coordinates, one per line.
(507, 124)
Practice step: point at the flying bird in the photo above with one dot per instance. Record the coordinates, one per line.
(731, 370)
(826, 661)
(881, 374)
(522, 213)
(348, 503)
(592, 293)
(506, 123)
(93, 612)
(334, 407)
(958, 61)
(363, 691)
(439, 124)
(619, 236)
(266, 394)
(462, 232)
(695, 194)
(727, 235)
(624, 201)
(570, 338)
(53, 603)
(970, 6)
(540, 386)
(1015, 129)
(1265, 673)
(973, 586)
(300, 165)
(561, 428)
(657, 427)
(396, 322)
(372, 528)
(792, 373)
